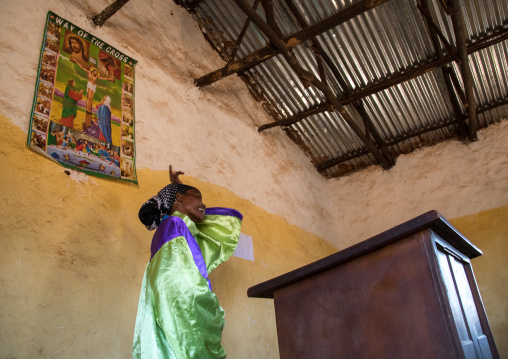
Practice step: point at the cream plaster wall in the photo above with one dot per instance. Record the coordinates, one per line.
(488, 230)
(210, 133)
(451, 177)
(73, 255)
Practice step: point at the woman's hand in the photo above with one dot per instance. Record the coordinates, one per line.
(173, 176)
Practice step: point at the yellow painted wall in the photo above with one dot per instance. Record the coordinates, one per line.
(488, 230)
(73, 255)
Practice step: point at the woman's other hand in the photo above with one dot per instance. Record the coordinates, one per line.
(173, 176)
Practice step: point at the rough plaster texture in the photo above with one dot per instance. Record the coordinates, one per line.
(488, 230)
(73, 257)
(63, 287)
(211, 133)
(451, 177)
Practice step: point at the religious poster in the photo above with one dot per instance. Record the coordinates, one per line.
(83, 108)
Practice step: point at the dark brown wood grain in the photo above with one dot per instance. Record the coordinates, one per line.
(408, 292)
(357, 310)
(431, 219)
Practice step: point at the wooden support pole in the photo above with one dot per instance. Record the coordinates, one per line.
(396, 79)
(445, 71)
(467, 78)
(291, 120)
(461, 118)
(308, 76)
(268, 52)
(270, 16)
(315, 43)
(333, 162)
(322, 54)
(399, 78)
(239, 40)
(456, 85)
(433, 27)
(111, 10)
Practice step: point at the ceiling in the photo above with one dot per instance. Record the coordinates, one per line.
(358, 83)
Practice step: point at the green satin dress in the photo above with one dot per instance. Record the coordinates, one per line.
(178, 314)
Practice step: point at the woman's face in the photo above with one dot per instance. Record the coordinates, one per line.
(191, 204)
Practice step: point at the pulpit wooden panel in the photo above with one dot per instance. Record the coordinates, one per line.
(407, 293)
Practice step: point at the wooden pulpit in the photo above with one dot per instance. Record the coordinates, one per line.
(409, 293)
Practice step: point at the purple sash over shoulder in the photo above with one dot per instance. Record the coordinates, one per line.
(222, 211)
(172, 227)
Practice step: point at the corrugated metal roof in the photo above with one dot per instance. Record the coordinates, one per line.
(389, 41)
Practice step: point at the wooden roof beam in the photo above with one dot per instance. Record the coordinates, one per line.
(269, 51)
(111, 10)
(321, 55)
(335, 161)
(461, 118)
(245, 6)
(436, 35)
(194, 4)
(239, 40)
(399, 78)
(394, 80)
(298, 117)
(492, 106)
(465, 70)
(315, 43)
(270, 16)
(424, 10)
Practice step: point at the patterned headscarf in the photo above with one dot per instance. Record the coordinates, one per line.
(153, 210)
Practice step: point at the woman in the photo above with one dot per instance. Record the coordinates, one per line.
(178, 314)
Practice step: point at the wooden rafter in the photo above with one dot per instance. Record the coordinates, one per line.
(239, 41)
(194, 4)
(270, 16)
(461, 118)
(451, 87)
(245, 6)
(269, 51)
(111, 10)
(456, 84)
(321, 55)
(298, 117)
(369, 126)
(401, 77)
(348, 157)
(334, 162)
(424, 10)
(492, 106)
(321, 68)
(317, 47)
(467, 77)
